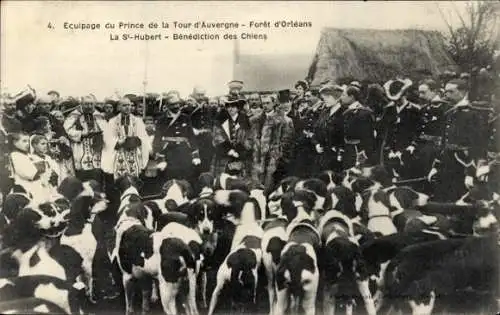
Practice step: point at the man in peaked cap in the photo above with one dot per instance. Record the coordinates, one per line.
(465, 142)
(432, 127)
(359, 127)
(400, 127)
(174, 142)
(203, 119)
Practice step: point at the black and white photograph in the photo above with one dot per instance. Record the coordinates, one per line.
(250, 157)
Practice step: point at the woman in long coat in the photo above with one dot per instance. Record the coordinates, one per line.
(232, 141)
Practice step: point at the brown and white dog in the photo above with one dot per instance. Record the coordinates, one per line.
(342, 263)
(297, 276)
(376, 208)
(239, 270)
(178, 263)
(273, 242)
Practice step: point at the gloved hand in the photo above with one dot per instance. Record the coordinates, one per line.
(430, 176)
(233, 153)
(196, 161)
(410, 149)
(319, 148)
(469, 182)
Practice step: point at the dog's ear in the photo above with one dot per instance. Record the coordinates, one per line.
(171, 205)
(186, 186)
(233, 260)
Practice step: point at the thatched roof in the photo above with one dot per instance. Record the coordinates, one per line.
(377, 54)
(268, 72)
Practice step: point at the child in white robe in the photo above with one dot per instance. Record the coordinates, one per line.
(26, 172)
(39, 153)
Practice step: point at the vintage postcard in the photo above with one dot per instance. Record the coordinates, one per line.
(227, 157)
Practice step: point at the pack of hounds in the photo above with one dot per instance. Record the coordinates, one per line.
(349, 242)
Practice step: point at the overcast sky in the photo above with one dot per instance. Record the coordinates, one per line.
(79, 62)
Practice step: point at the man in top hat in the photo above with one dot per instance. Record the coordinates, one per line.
(400, 122)
(232, 141)
(126, 150)
(328, 133)
(85, 126)
(465, 143)
(272, 137)
(174, 143)
(359, 127)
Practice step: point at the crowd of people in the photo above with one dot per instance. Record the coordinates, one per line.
(437, 135)
(429, 133)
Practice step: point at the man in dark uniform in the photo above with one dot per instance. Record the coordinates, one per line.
(359, 126)
(329, 132)
(432, 127)
(174, 141)
(305, 145)
(202, 119)
(400, 130)
(465, 143)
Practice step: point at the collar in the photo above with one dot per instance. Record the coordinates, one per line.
(270, 114)
(334, 108)
(317, 105)
(234, 118)
(463, 102)
(401, 107)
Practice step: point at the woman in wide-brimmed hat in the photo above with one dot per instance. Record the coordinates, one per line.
(232, 141)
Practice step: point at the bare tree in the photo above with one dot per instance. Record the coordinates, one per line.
(473, 42)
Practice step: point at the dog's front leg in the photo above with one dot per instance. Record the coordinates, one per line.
(193, 308)
(423, 308)
(204, 289)
(215, 297)
(154, 291)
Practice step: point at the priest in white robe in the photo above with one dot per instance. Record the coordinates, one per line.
(126, 143)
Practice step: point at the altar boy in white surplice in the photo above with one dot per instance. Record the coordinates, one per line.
(126, 143)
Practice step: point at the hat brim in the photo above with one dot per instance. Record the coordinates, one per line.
(236, 103)
(397, 96)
